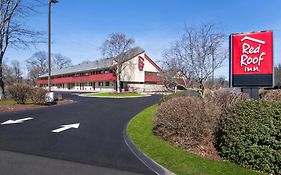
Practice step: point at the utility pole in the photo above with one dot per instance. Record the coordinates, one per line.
(49, 42)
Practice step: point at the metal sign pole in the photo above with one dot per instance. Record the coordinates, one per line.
(253, 92)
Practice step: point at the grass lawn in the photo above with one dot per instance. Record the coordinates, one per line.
(7, 102)
(108, 94)
(173, 158)
(13, 102)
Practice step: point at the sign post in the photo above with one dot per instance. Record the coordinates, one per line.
(251, 61)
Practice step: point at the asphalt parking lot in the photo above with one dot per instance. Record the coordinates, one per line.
(32, 146)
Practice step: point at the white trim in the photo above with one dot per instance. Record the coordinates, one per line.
(253, 39)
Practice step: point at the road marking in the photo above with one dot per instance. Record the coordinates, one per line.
(16, 121)
(65, 127)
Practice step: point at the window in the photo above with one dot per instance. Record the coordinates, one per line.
(100, 83)
(107, 71)
(107, 83)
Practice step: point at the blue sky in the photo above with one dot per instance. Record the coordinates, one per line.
(80, 27)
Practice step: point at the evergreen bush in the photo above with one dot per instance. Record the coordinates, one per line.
(250, 135)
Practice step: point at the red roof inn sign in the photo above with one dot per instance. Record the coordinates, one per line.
(251, 59)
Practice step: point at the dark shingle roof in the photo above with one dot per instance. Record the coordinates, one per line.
(92, 65)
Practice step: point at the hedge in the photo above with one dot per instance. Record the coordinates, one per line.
(250, 135)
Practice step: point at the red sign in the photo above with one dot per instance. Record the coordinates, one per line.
(252, 53)
(141, 63)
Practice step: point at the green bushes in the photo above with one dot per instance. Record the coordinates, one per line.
(250, 135)
(243, 131)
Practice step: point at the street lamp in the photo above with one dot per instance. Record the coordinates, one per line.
(49, 41)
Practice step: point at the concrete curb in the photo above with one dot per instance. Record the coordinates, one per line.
(85, 95)
(151, 164)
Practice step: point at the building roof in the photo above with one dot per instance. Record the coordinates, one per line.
(98, 64)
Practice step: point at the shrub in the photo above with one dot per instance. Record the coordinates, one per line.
(250, 135)
(38, 95)
(225, 100)
(188, 122)
(179, 94)
(19, 92)
(274, 95)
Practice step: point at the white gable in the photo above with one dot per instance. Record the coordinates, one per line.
(132, 72)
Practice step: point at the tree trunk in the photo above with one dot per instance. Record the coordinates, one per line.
(118, 79)
(118, 84)
(202, 88)
(175, 88)
(2, 94)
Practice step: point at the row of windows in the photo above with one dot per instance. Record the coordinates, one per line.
(84, 74)
(91, 73)
(100, 84)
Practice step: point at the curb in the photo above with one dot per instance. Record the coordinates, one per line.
(151, 164)
(112, 97)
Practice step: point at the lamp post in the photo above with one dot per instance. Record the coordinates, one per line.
(49, 41)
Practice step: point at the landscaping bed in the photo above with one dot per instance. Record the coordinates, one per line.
(218, 125)
(22, 96)
(11, 105)
(177, 160)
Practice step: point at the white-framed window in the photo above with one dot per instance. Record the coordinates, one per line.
(100, 84)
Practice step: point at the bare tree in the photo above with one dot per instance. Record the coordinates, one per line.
(12, 31)
(17, 72)
(175, 73)
(116, 46)
(8, 78)
(277, 75)
(217, 83)
(37, 65)
(196, 55)
(61, 61)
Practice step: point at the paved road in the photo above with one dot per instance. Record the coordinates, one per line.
(96, 147)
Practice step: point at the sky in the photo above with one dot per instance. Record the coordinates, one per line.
(79, 27)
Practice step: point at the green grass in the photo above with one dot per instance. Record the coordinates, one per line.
(7, 102)
(107, 94)
(173, 158)
(13, 102)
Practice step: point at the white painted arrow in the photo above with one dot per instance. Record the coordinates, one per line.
(65, 127)
(16, 121)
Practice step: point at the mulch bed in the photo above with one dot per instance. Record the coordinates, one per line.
(17, 107)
